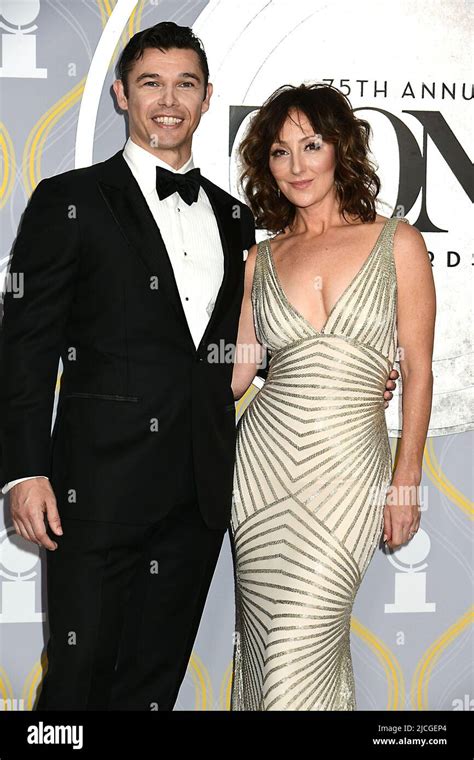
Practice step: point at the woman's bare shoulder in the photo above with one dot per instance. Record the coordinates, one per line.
(408, 237)
(250, 261)
(252, 252)
(411, 255)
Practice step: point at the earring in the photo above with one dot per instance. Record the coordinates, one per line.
(278, 192)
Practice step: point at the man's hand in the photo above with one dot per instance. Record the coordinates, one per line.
(28, 503)
(390, 386)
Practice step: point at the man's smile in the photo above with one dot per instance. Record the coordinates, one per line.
(168, 122)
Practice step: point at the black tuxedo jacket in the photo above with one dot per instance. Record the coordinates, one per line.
(99, 291)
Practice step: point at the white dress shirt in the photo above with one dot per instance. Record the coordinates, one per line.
(192, 240)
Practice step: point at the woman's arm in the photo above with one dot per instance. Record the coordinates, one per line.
(249, 352)
(416, 312)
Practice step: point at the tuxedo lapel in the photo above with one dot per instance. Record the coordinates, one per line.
(132, 214)
(223, 214)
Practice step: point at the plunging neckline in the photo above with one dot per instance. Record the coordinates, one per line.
(338, 301)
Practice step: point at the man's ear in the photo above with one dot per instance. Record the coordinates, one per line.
(207, 98)
(122, 101)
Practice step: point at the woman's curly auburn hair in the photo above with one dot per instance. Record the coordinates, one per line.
(330, 114)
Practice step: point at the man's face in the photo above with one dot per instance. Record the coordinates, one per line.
(166, 99)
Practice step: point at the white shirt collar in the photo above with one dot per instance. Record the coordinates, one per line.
(143, 164)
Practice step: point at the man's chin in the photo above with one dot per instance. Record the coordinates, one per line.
(160, 139)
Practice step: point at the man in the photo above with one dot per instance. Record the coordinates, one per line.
(133, 270)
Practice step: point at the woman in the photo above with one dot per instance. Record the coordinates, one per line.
(328, 295)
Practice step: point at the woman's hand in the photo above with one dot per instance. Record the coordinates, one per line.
(402, 513)
(390, 386)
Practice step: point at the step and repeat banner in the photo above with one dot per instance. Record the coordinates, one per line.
(405, 67)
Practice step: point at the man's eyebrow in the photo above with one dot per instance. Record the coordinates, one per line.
(283, 142)
(183, 75)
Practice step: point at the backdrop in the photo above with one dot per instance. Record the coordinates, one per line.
(406, 69)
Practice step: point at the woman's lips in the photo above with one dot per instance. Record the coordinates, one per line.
(301, 184)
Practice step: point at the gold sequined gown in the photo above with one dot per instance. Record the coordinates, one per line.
(313, 464)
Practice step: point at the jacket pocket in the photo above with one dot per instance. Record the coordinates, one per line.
(104, 396)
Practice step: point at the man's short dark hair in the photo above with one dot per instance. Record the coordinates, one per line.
(163, 36)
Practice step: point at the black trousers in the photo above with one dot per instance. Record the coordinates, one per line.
(124, 604)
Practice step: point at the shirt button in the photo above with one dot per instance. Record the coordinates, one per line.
(186, 298)
(185, 253)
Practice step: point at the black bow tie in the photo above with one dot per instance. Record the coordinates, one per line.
(187, 185)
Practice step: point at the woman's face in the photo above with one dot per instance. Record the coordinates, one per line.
(302, 163)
